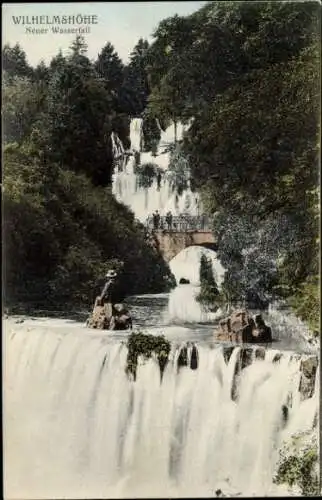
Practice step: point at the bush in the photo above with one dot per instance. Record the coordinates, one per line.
(306, 302)
(140, 344)
(298, 469)
(62, 234)
(209, 295)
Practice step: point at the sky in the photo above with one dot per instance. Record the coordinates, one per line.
(122, 24)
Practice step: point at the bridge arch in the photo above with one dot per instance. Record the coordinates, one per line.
(170, 243)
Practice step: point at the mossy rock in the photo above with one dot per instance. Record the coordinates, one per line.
(146, 345)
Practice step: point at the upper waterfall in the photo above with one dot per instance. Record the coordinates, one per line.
(161, 194)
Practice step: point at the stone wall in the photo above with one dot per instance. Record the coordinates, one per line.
(171, 243)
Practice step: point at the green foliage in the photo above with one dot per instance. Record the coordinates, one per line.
(209, 294)
(193, 59)
(146, 174)
(306, 302)
(145, 345)
(61, 235)
(110, 68)
(298, 469)
(151, 133)
(14, 62)
(22, 103)
(248, 73)
(135, 85)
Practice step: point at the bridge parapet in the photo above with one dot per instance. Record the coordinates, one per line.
(179, 223)
(171, 242)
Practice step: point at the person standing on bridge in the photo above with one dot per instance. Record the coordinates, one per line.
(156, 219)
(168, 219)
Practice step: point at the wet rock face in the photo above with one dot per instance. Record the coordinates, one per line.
(194, 358)
(227, 352)
(277, 357)
(260, 353)
(183, 358)
(246, 357)
(241, 328)
(308, 370)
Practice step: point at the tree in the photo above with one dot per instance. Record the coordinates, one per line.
(79, 117)
(209, 293)
(14, 62)
(41, 73)
(22, 103)
(109, 67)
(136, 86)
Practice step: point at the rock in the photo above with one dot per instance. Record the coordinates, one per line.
(183, 357)
(277, 357)
(241, 328)
(246, 357)
(285, 414)
(308, 368)
(120, 322)
(184, 281)
(105, 316)
(194, 358)
(227, 353)
(260, 353)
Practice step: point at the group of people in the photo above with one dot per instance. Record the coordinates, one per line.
(161, 223)
(183, 222)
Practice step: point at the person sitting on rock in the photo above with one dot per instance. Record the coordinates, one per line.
(109, 287)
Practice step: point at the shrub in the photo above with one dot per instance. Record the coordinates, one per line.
(145, 345)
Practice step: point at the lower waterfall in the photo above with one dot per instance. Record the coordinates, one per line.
(77, 427)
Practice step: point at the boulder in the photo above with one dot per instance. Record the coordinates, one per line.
(194, 358)
(241, 328)
(121, 320)
(184, 281)
(106, 316)
(308, 368)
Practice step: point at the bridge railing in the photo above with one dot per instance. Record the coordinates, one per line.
(179, 223)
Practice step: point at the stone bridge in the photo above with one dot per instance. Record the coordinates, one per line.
(172, 242)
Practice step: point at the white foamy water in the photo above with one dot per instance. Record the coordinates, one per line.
(146, 200)
(76, 427)
(183, 306)
(187, 265)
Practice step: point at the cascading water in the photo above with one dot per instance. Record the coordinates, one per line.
(145, 200)
(77, 427)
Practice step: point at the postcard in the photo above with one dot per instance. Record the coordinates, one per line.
(161, 230)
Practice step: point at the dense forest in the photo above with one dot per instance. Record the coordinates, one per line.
(63, 229)
(246, 76)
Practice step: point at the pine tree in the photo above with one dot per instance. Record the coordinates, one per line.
(110, 67)
(209, 292)
(79, 116)
(136, 86)
(14, 61)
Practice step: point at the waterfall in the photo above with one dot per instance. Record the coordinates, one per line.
(184, 308)
(77, 427)
(187, 263)
(146, 200)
